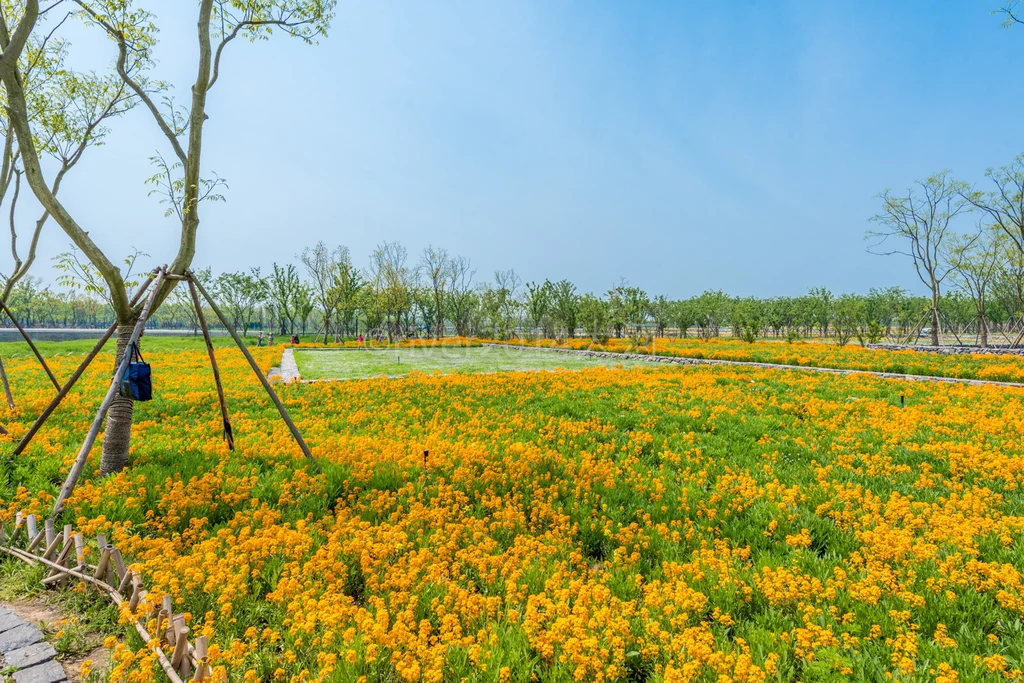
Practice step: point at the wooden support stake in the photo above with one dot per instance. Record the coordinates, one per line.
(200, 653)
(51, 547)
(30, 525)
(101, 565)
(259, 373)
(36, 540)
(184, 665)
(31, 345)
(126, 579)
(119, 568)
(115, 386)
(80, 549)
(133, 602)
(51, 535)
(43, 416)
(213, 363)
(180, 642)
(7, 386)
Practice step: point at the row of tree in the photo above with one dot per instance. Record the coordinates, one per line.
(929, 225)
(325, 294)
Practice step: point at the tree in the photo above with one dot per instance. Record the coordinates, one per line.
(323, 267)
(538, 301)
(920, 223)
(977, 266)
(565, 306)
(506, 306)
(1011, 14)
(463, 299)
(593, 314)
(241, 293)
(821, 303)
(393, 281)
(1004, 205)
(438, 272)
(133, 31)
(284, 296)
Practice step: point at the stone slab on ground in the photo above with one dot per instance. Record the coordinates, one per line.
(32, 655)
(19, 637)
(9, 621)
(48, 672)
(289, 370)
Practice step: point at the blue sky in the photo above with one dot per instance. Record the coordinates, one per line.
(682, 146)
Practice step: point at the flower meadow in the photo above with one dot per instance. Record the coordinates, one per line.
(983, 366)
(655, 524)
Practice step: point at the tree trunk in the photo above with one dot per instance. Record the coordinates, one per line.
(118, 433)
(935, 322)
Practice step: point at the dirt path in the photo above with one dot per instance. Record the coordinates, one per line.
(682, 360)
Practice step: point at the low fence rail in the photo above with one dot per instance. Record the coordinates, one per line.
(64, 553)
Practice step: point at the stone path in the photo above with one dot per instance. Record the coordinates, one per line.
(289, 371)
(682, 360)
(25, 653)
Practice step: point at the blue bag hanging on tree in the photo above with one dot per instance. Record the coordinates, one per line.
(137, 382)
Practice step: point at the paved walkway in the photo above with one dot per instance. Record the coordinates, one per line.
(26, 653)
(288, 370)
(682, 360)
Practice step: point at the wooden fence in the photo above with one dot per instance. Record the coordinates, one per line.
(65, 555)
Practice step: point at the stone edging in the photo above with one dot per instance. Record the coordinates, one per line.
(24, 651)
(684, 360)
(950, 350)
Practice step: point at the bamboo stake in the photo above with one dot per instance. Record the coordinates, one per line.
(50, 533)
(259, 373)
(213, 363)
(115, 384)
(101, 565)
(31, 345)
(200, 655)
(56, 401)
(30, 526)
(7, 386)
(117, 599)
(119, 568)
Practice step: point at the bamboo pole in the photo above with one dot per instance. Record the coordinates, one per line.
(259, 373)
(7, 385)
(115, 385)
(228, 434)
(43, 416)
(31, 345)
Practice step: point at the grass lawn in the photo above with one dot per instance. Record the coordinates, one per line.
(356, 363)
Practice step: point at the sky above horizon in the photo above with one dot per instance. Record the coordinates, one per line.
(681, 146)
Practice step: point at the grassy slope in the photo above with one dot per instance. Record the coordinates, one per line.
(357, 363)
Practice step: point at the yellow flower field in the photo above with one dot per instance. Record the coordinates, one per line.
(985, 366)
(641, 524)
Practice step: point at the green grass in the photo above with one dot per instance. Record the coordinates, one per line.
(79, 347)
(357, 363)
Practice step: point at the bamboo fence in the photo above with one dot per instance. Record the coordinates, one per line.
(64, 553)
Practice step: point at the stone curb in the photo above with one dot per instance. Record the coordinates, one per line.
(24, 651)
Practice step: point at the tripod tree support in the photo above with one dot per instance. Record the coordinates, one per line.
(213, 363)
(43, 416)
(7, 386)
(32, 346)
(115, 385)
(259, 373)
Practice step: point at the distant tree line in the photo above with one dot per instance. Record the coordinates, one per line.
(325, 296)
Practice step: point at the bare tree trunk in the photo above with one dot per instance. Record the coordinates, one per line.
(935, 315)
(118, 433)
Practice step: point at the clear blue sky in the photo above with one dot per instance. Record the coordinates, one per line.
(683, 146)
